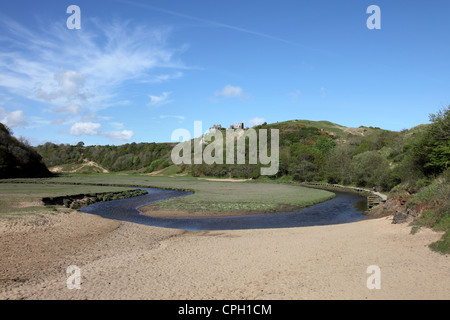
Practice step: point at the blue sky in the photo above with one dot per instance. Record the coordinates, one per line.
(137, 70)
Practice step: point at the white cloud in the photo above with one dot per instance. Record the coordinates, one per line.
(13, 118)
(124, 135)
(157, 101)
(85, 128)
(93, 129)
(230, 91)
(255, 122)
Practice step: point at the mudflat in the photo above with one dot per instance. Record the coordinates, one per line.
(122, 260)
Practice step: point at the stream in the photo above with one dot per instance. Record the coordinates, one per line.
(346, 207)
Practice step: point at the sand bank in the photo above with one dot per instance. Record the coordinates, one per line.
(121, 260)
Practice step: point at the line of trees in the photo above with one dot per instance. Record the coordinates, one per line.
(132, 156)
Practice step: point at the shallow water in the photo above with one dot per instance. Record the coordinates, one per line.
(344, 208)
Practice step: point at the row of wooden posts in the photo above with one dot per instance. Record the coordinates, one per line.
(372, 199)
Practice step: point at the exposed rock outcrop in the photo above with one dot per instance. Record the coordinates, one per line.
(396, 207)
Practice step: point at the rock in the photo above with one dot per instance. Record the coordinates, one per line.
(399, 217)
(412, 213)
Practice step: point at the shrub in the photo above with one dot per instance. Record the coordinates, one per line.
(76, 205)
(66, 203)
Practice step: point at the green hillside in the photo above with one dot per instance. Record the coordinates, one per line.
(142, 157)
(325, 151)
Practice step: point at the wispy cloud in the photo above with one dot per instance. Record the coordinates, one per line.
(230, 91)
(58, 64)
(179, 118)
(158, 101)
(175, 117)
(72, 109)
(209, 22)
(117, 125)
(163, 77)
(81, 70)
(255, 122)
(295, 95)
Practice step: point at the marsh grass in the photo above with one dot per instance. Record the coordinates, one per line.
(220, 196)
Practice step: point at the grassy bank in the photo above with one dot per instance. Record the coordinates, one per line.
(208, 195)
(433, 201)
(25, 199)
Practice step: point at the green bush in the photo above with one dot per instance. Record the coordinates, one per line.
(76, 205)
(66, 203)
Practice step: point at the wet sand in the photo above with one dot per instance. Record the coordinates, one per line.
(123, 260)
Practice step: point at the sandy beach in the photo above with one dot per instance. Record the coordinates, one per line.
(122, 260)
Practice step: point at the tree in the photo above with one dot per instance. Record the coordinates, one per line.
(338, 167)
(303, 171)
(438, 142)
(18, 159)
(368, 168)
(440, 129)
(429, 151)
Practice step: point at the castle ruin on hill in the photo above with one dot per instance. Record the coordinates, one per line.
(218, 127)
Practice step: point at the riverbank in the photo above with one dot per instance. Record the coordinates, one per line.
(216, 198)
(122, 260)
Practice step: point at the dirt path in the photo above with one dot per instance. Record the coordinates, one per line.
(86, 163)
(379, 194)
(382, 196)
